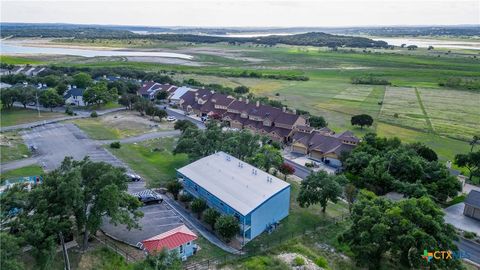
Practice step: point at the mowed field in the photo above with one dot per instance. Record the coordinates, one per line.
(413, 108)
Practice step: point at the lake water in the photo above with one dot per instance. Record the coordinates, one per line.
(436, 43)
(17, 48)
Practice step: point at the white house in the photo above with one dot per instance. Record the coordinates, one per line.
(74, 96)
(175, 96)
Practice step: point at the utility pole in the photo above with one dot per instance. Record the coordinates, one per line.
(65, 253)
(38, 108)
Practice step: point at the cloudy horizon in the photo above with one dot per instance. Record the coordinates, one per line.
(244, 13)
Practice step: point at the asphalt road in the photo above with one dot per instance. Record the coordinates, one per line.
(471, 249)
(182, 116)
(300, 170)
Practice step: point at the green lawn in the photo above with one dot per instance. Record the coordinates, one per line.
(152, 159)
(32, 170)
(17, 116)
(17, 60)
(12, 147)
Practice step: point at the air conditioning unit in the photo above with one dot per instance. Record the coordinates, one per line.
(184, 258)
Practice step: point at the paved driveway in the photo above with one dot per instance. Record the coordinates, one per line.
(157, 219)
(454, 215)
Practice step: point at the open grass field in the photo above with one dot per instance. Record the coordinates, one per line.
(12, 147)
(17, 116)
(120, 125)
(32, 170)
(421, 105)
(152, 159)
(13, 60)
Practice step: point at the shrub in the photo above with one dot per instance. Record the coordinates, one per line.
(69, 110)
(469, 235)
(94, 114)
(185, 197)
(298, 261)
(174, 187)
(309, 165)
(321, 261)
(115, 145)
(227, 227)
(395, 115)
(198, 206)
(210, 216)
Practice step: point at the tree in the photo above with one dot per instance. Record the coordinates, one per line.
(10, 252)
(50, 80)
(317, 121)
(286, 169)
(350, 192)
(475, 140)
(61, 88)
(241, 89)
(100, 191)
(51, 99)
(319, 188)
(160, 113)
(182, 125)
(128, 100)
(162, 95)
(198, 206)
(161, 260)
(227, 227)
(174, 187)
(99, 93)
(424, 151)
(210, 216)
(141, 105)
(267, 157)
(362, 120)
(402, 229)
(82, 80)
(471, 161)
(26, 95)
(8, 96)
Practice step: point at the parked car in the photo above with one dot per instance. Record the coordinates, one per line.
(150, 198)
(204, 118)
(134, 177)
(171, 118)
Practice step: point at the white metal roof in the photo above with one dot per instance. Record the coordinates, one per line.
(243, 187)
(180, 91)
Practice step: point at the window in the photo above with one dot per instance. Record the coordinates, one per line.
(188, 244)
(181, 249)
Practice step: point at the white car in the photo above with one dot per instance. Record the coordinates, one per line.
(171, 118)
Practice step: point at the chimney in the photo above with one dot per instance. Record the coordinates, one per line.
(240, 99)
(196, 96)
(74, 86)
(294, 111)
(258, 103)
(69, 87)
(247, 100)
(104, 76)
(284, 109)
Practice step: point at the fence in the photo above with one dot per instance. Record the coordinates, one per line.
(260, 249)
(105, 240)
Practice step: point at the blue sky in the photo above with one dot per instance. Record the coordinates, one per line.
(244, 12)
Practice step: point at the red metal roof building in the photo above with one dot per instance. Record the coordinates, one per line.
(179, 238)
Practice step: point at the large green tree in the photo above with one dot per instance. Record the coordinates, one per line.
(10, 252)
(82, 80)
(319, 188)
(26, 95)
(471, 161)
(361, 120)
(267, 157)
(383, 165)
(400, 230)
(101, 191)
(227, 227)
(51, 99)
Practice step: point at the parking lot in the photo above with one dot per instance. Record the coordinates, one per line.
(157, 219)
(55, 141)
